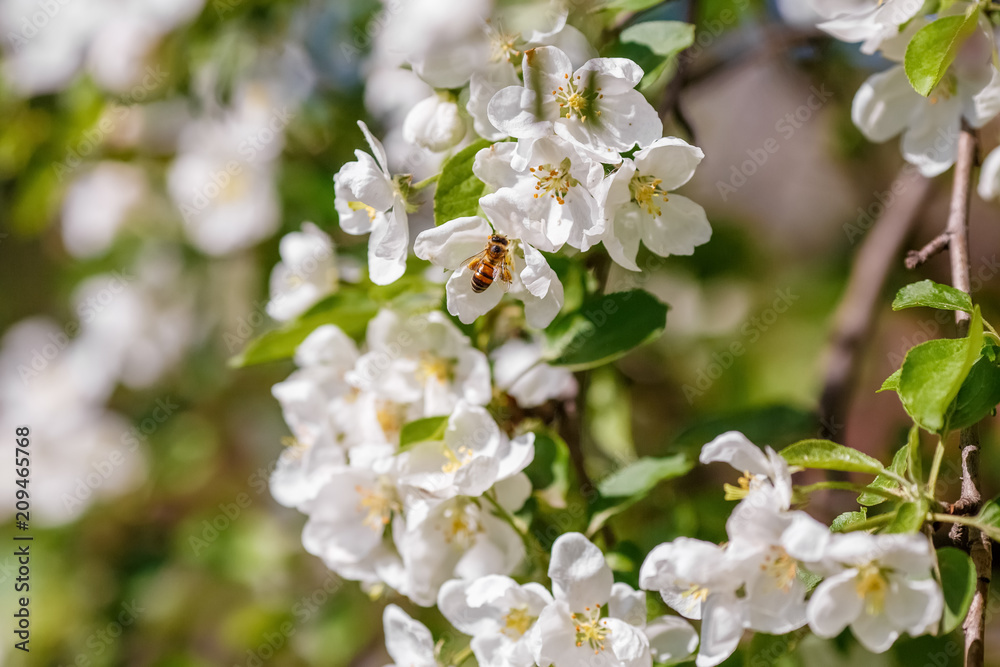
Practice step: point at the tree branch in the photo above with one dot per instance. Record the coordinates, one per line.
(915, 258)
(977, 544)
(856, 314)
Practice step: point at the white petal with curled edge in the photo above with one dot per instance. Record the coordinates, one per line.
(721, 628)
(628, 604)
(875, 633)
(377, 149)
(464, 303)
(452, 243)
(681, 227)
(670, 159)
(387, 246)
(409, 642)
(671, 639)
(835, 604)
(735, 449)
(931, 140)
(580, 576)
(989, 176)
(884, 104)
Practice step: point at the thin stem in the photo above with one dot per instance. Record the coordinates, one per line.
(954, 518)
(888, 494)
(935, 467)
(420, 185)
(531, 543)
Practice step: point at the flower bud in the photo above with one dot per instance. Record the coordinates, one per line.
(434, 123)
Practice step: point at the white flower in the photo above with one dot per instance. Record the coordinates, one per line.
(596, 107)
(498, 613)
(771, 545)
(369, 200)
(571, 630)
(484, 84)
(671, 639)
(763, 471)
(887, 105)
(868, 21)
(989, 176)
(881, 585)
(533, 280)
(700, 580)
(139, 325)
(519, 371)
(349, 515)
(316, 403)
(434, 123)
(456, 538)
(306, 273)
(223, 178)
(422, 359)
(473, 456)
(638, 204)
(409, 642)
(551, 198)
(98, 204)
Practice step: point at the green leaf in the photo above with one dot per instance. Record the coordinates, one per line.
(604, 328)
(933, 372)
(932, 50)
(549, 470)
(429, 429)
(653, 45)
(624, 488)
(909, 518)
(932, 295)
(349, 311)
(458, 189)
(914, 460)
(827, 455)
(846, 521)
(891, 382)
(958, 580)
(897, 466)
(979, 395)
(988, 519)
(639, 477)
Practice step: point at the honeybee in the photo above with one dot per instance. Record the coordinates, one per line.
(485, 266)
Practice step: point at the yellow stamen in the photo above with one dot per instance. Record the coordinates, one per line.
(646, 191)
(738, 492)
(871, 586)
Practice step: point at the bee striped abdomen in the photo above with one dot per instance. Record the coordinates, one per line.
(483, 277)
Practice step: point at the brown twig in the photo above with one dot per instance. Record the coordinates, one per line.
(977, 544)
(856, 314)
(915, 258)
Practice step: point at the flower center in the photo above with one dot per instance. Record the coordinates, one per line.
(390, 417)
(590, 629)
(361, 206)
(738, 492)
(646, 191)
(554, 181)
(454, 462)
(577, 98)
(871, 586)
(695, 595)
(378, 503)
(781, 567)
(435, 367)
(517, 621)
(295, 448)
(460, 525)
(502, 45)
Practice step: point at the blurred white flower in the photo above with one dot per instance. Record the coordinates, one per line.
(223, 179)
(518, 369)
(408, 642)
(98, 203)
(989, 176)
(870, 22)
(80, 452)
(306, 273)
(763, 472)
(140, 322)
(48, 43)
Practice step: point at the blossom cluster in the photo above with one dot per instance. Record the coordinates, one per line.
(576, 159)
(886, 105)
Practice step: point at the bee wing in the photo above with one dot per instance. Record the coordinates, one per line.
(473, 261)
(505, 272)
